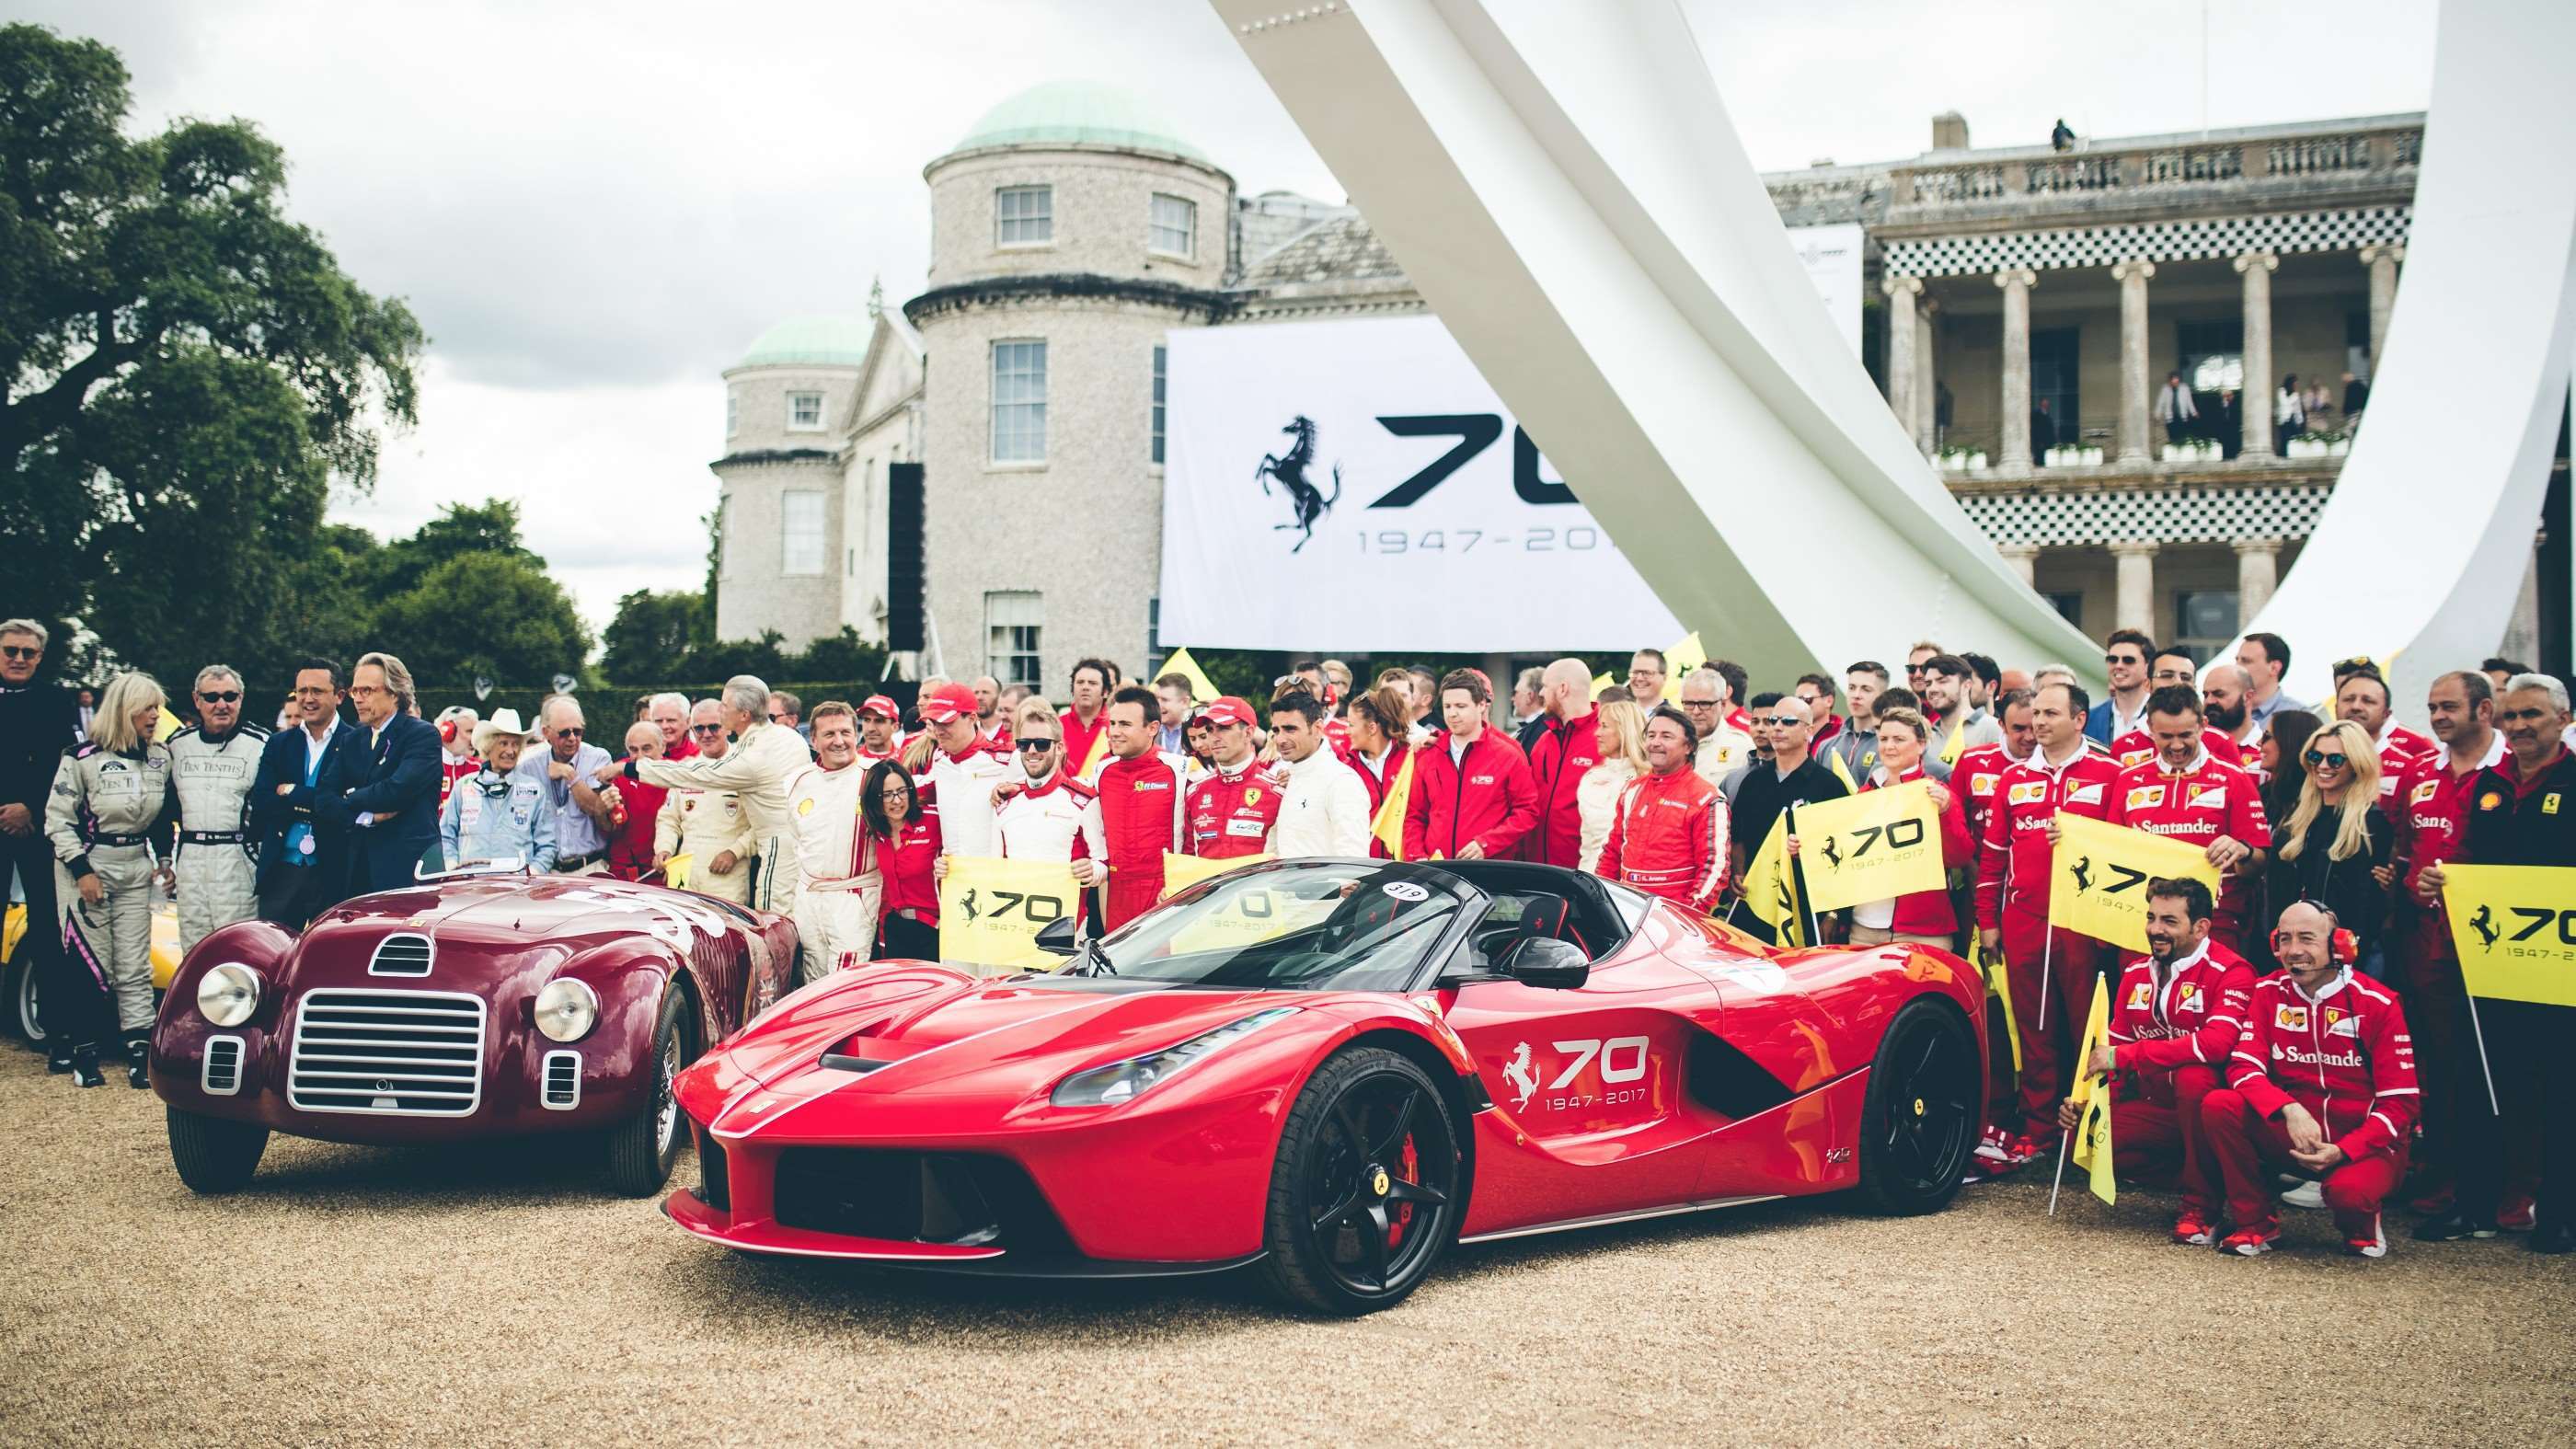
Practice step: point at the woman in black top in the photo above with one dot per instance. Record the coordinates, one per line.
(2333, 848)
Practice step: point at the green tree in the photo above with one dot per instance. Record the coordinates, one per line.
(492, 614)
(189, 371)
(840, 658)
(488, 527)
(652, 637)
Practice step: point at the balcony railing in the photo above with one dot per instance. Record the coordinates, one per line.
(2163, 170)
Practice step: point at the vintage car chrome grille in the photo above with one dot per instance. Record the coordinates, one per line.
(562, 1089)
(391, 1053)
(221, 1074)
(404, 953)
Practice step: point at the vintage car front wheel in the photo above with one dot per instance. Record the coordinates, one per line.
(214, 1155)
(24, 1017)
(642, 1148)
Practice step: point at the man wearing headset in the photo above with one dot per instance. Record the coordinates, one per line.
(2322, 1083)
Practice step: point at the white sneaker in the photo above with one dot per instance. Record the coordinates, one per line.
(2306, 1195)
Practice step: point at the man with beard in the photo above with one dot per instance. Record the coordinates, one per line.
(2223, 708)
(1945, 710)
(2184, 792)
(2175, 1016)
(213, 765)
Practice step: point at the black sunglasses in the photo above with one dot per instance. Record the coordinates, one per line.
(1029, 746)
(21, 651)
(1780, 719)
(713, 729)
(2334, 759)
(225, 696)
(568, 732)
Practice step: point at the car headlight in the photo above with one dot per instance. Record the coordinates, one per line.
(567, 1009)
(228, 994)
(1124, 1081)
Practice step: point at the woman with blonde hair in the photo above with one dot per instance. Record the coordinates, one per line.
(2334, 848)
(1623, 758)
(103, 818)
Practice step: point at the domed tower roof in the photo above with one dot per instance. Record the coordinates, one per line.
(816, 341)
(1062, 112)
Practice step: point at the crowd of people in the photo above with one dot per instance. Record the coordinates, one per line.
(2307, 1017)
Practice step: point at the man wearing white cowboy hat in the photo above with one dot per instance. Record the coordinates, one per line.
(494, 813)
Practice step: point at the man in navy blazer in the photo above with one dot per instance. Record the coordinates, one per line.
(387, 798)
(303, 853)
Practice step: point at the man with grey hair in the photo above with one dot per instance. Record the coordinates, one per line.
(1529, 715)
(707, 825)
(1722, 747)
(760, 769)
(387, 789)
(669, 713)
(37, 723)
(575, 775)
(213, 764)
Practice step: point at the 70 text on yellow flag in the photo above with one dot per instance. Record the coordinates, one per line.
(2514, 927)
(990, 911)
(1873, 846)
(2098, 878)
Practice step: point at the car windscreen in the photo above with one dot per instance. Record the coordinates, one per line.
(1293, 926)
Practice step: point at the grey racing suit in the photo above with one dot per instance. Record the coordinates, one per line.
(210, 782)
(103, 817)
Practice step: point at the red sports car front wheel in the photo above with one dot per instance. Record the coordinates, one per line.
(1365, 1192)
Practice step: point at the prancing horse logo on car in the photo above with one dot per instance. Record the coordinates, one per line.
(1517, 1072)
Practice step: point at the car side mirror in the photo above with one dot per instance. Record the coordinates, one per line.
(1545, 961)
(1056, 936)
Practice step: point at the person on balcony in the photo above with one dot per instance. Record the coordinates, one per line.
(2289, 415)
(2175, 409)
(2043, 432)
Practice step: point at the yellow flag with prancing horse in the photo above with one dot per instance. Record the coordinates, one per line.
(1768, 890)
(2093, 1094)
(1388, 827)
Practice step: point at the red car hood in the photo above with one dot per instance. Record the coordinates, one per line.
(946, 1034)
(512, 910)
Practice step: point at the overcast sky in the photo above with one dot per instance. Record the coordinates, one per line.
(595, 208)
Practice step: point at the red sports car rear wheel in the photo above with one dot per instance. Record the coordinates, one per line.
(1366, 1188)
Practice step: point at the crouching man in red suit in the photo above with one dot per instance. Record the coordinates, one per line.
(2322, 1084)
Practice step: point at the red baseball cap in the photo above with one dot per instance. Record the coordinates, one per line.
(947, 702)
(879, 704)
(1231, 710)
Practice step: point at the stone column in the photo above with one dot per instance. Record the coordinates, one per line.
(2024, 558)
(1901, 337)
(2382, 261)
(2134, 601)
(2256, 410)
(2132, 276)
(2258, 571)
(2016, 287)
(1927, 433)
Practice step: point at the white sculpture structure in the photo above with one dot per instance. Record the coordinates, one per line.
(1563, 184)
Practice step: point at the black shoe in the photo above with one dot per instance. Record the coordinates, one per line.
(58, 1056)
(2555, 1238)
(85, 1071)
(138, 1063)
(2451, 1227)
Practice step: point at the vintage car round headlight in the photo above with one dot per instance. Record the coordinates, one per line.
(228, 994)
(566, 1009)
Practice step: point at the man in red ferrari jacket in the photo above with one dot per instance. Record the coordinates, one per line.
(2176, 1014)
(2322, 1083)
(1668, 832)
(1232, 812)
(1981, 768)
(2185, 792)
(2062, 773)
(1136, 814)
(1471, 785)
(1568, 746)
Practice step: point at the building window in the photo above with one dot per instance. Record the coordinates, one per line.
(1019, 402)
(1023, 216)
(1158, 404)
(805, 412)
(800, 532)
(2069, 607)
(2204, 620)
(1011, 624)
(733, 414)
(1172, 226)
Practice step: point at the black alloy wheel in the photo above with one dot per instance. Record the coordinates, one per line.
(1365, 1193)
(1920, 1120)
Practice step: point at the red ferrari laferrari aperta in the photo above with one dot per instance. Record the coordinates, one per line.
(1333, 1070)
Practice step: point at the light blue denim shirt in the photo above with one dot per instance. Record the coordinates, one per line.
(575, 833)
(498, 817)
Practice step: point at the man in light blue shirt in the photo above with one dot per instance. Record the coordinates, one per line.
(574, 775)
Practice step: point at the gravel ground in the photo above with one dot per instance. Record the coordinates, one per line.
(493, 1296)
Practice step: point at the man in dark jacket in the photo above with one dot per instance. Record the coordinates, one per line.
(37, 723)
(303, 857)
(388, 786)
(1790, 777)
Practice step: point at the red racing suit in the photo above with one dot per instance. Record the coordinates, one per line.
(1973, 778)
(1132, 820)
(2170, 1041)
(2196, 805)
(1233, 815)
(2400, 751)
(2137, 747)
(2432, 813)
(2012, 897)
(2344, 1054)
(1668, 838)
(1385, 776)
(1078, 737)
(1565, 750)
(1483, 795)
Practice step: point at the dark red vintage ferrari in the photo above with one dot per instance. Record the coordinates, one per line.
(1334, 1070)
(467, 1006)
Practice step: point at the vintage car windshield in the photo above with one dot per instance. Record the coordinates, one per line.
(1294, 926)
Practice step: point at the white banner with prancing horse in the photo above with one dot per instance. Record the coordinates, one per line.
(1356, 486)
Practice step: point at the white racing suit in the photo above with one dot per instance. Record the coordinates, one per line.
(210, 782)
(703, 824)
(761, 769)
(836, 912)
(101, 818)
